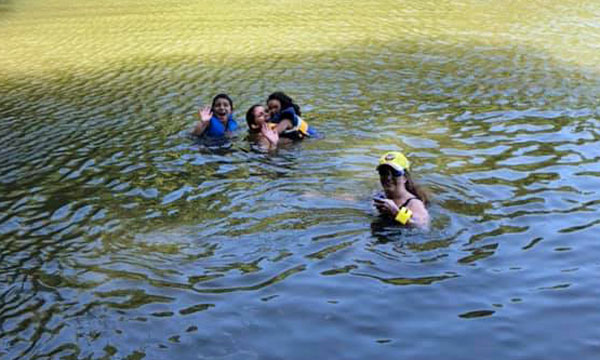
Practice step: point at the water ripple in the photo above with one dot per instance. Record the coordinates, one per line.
(114, 221)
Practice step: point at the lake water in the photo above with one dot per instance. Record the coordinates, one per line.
(121, 238)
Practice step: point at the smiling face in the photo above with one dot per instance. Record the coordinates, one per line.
(256, 117)
(221, 107)
(261, 116)
(391, 181)
(274, 106)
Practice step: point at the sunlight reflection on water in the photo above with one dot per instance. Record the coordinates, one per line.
(120, 237)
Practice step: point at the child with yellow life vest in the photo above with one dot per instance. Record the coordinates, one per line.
(286, 114)
(404, 201)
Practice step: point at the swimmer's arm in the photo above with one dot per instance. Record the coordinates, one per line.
(290, 114)
(205, 114)
(420, 215)
(283, 126)
(386, 206)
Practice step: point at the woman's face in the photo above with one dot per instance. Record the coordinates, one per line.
(390, 181)
(261, 116)
(222, 107)
(274, 106)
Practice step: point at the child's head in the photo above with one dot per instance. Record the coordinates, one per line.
(278, 101)
(256, 116)
(222, 105)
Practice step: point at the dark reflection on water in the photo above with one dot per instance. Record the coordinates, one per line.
(120, 237)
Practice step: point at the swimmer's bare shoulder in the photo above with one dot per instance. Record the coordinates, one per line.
(420, 215)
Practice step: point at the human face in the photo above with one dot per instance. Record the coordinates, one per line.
(391, 180)
(274, 106)
(261, 116)
(222, 107)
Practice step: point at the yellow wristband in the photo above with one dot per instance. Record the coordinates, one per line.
(403, 215)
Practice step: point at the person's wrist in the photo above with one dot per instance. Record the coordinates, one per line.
(403, 216)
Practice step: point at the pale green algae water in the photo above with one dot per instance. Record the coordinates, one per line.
(122, 239)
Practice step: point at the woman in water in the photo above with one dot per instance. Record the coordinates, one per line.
(261, 131)
(286, 114)
(403, 200)
(216, 121)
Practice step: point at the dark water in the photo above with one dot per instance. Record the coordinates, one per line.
(120, 238)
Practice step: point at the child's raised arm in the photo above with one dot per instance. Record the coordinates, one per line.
(205, 116)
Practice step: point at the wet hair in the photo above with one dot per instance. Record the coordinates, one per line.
(410, 185)
(250, 119)
(221, 96)
(285, 101)
(415, 189)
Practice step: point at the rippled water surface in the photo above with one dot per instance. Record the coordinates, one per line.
(121, 238)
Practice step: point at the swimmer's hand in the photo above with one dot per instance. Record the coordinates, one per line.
(386, 206)
(205, 114)
(269, 134)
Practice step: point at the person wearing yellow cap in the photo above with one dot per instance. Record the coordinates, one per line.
(404, 201)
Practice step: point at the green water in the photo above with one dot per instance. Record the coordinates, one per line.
(42, 37)
(122, 238)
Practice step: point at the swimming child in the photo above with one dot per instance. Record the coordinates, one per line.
(216, 121)
(261, 131)
(286, 114)
(403, 200)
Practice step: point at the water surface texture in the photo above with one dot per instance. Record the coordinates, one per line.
(121, 238)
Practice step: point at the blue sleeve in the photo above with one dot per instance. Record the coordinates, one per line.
(290, 114)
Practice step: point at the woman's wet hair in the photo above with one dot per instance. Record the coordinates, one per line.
(285, 101)
(250, 118)
(221, 96)
(415, 189)
(410, 185)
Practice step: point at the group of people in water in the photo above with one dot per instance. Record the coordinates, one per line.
(267, 125)
(280, 121)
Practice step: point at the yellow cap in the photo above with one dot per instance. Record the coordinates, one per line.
(395, 159)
